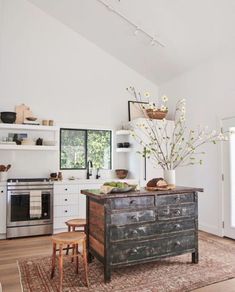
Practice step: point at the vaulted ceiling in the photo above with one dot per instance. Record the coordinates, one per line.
(193, 31)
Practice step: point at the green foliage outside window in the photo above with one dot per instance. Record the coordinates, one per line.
(99, 148)
(78, 146)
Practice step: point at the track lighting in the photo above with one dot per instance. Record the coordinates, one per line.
(153, 40)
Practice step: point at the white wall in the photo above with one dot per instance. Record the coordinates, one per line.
(61, 76)
(209, 90)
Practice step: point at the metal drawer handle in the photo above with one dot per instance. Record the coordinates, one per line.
(133, 217)
(133, 251)
(66, 211)
(2, 192)
(177, 199)
(66, 189)
(177, 212)
(66, 200)
(177, 226)
(166, 212)
(134, 232)
(177, 243)
(132, 202)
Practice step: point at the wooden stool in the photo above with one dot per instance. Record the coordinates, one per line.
(67, 238)
(72, 225)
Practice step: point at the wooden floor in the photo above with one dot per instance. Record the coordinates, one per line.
(12, 250)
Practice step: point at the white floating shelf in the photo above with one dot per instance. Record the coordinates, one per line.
(28, 147)
(27, 127)
(123, 132)
(123, 149)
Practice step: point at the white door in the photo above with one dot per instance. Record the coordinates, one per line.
(229, 178)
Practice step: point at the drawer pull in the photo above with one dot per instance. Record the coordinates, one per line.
(132, 202)
(66, 200)
(134, 232)
(133, 251)
(177, 226)
(133, 217)
(166, 212)
(66, 189)
(177, 212)
(2, 192)
(66, 211)
(177, 243)
(177, 199)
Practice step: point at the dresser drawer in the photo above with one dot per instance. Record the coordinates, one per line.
(65, 211)
(176, 211)
(132, 202)
(131, 252)
(66, 189)
(174, 199)
(133, 217)
(65, 199)
(141, 231)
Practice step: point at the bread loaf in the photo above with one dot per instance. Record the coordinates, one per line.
(157, 182)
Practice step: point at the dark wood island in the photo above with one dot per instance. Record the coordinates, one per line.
(142, 226)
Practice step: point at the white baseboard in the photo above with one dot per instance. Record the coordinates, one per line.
(3, 236)
(211, 229)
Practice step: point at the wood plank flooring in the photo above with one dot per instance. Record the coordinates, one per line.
(12, 250)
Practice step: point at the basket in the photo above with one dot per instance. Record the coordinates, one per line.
(156, 114)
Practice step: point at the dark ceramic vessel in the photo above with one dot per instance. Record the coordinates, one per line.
(8, 117)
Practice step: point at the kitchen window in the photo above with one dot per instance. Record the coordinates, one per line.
(77, 146)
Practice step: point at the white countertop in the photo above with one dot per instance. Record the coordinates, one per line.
(92, 181)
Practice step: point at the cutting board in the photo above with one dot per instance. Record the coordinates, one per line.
(22, 112)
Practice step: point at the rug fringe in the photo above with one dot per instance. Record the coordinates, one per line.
(18, 266)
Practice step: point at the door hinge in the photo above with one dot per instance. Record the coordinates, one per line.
(223, 224)
(222, 177)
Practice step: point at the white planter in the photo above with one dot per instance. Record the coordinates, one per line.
(3, 175)
(169, 176)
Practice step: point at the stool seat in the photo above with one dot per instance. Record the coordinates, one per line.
(76, 222)
(66, 238)
(69, 237)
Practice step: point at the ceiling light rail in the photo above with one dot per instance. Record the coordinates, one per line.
(137, 29)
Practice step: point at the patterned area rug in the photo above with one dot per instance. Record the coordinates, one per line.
(176, 274)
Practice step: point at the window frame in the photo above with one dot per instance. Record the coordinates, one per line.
(86, 146)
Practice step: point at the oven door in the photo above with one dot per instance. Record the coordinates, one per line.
(18, 209)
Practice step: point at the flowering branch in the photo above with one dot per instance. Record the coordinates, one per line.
(170, 148)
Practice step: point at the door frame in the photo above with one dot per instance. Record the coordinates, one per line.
(222, 185)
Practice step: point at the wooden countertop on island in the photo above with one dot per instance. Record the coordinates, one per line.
(96, 194)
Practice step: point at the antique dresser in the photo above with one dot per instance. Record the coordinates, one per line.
(138, 227)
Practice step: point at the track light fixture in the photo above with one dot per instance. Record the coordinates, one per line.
(137, 29)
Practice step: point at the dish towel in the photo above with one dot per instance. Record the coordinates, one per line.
(35, 210)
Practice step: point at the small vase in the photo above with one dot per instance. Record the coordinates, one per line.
(169, 176)
(3, 175)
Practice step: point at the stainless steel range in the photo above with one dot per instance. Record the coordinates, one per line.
(29, 207)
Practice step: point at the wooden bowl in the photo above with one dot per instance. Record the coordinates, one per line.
(156, 114)
(121, 173)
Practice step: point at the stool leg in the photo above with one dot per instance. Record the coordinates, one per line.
(67, 251)
(61, 266)
(77, 262)
(85, 262)
(73, 252)
(73, 229)
(53, 259)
